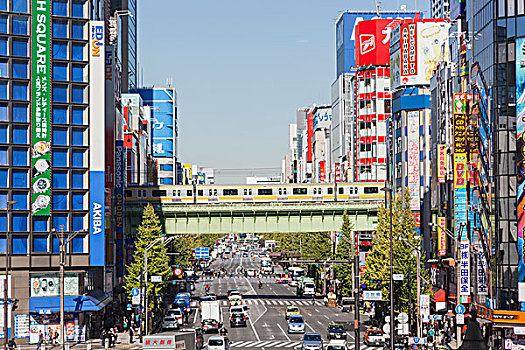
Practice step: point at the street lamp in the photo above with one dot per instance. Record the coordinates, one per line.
(390, 190)
(6, 286)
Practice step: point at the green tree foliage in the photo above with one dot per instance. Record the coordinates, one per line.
(149, 230)
(378, 260)
(344, 251)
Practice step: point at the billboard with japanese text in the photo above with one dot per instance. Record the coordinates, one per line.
(520, 149)
(373, 41)
(413, 159)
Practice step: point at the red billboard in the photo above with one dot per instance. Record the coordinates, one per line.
(322, 171)
(310, 133)
(373, 42)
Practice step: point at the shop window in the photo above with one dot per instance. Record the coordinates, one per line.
(19, 223)
(60, 136)
(20, 244)
(40, 224)
(3, 46)
(20, 135)
(60, 28)
(20, 47)
(19, 178)
(78, 52)
(59, 201)
(78, 222)
(77, 200)
(40, 244)
(59, 50)
(20, 113)
(60, 157)
(59, 115)
(60, 179)
(20, 25)
(60, 221)
(20, 157)
(3, 90)
(4, 112)
(60, 71)
(20, 6)
(4, 69)
(60, 8)
(20, 91)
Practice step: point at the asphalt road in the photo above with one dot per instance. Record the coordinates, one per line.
(266, 328)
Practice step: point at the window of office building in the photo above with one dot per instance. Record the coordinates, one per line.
(77, 179)
(60, 179)
(60, 8)
(20, 91)
(19, 178)
(4, 68)
(20, 156)
(20, 69)
(20, 6)
(20, 47)
(4, 112)
(20, 135)
(19, 244)
(59, 221)
(4, 46)
(60, 201)
(59, 115)
(20, 113)
(40, 244)
(40, 224)
(60, 50)
(20, 25)
(19, 222)
(77, 201)
(20, 199)
(60, 28)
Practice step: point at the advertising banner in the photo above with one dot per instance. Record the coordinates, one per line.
(482, 274)
(97, 164)
(442, 164)
(373, 41)
(408, 54)
(413, 159)
(120, 181)
(48, 284)
(337, 172)
(520, 149)
(110, 115)
(460, 133)
(41, 108)
(322, 118)
(322, 171)
(442, 236)
(424, 305)
(460, 195)
(464, 269)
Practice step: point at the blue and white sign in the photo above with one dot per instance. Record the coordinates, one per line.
(460, 309)
(372, 295)
(97, 236)
(128, 307)
(202, 252)
(464, 268)
(135, 292)
(416, 341)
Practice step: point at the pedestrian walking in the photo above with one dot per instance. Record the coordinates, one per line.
(131, 335)
(55, 338)
(40, 340)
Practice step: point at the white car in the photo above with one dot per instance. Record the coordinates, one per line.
(336, 344)
(240, 308)
(235, 294)
(177, 313)
(218, 342)
(170, 322)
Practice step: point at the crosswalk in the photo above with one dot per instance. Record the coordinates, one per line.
(278, 302)
(279, 344)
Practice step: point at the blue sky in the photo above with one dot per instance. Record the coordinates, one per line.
(241, 69)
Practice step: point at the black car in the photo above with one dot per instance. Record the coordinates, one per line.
(207, 271)
(238, 320)
(336, 331)
(400, 344)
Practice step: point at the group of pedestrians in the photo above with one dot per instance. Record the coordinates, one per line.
(52, 338)
(108, 337)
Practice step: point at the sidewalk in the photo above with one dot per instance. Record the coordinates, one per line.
(122, 343)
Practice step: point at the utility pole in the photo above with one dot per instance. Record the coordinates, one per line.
(356, 294)
(140, 304)
(409, 297)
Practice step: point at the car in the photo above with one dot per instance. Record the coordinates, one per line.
(282, 278)
(336, 344)
(312, 341)
(237, 319)
(291, 310)
(170, 322)
(234, 294)
(346, 304)
(177, 313)
(336, 331)
(374, 336)
(210, 326)
(400, 344)
(252, 272)
(235, 301)
(296, 324)
(218, 342)
(230, 291)
(240, 308)
(207, 272)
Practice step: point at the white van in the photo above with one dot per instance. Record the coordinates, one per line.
(243, 308)
(218, 342)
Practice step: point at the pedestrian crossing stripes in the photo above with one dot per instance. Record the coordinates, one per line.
(279, 344)
(278, 302)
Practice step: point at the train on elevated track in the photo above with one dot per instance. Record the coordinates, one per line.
(259, 193)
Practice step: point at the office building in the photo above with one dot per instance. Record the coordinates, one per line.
(440, 8)
(125, 12)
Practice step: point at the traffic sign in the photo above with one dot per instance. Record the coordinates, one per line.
(128, 307)
(460, 309)
(416, 340)
(402, 318)
(372, 295)
(135, 292)
(460, 319)
(202, 252)
(386, 328)
(177, 271)
(398, 277)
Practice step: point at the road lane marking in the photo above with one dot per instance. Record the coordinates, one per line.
(250, 319)
(282, 330)
(308, 325)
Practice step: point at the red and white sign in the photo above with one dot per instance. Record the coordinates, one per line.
(177, 271)
(442, 236)
(442, 163)
(413, 159)
(373, 41)
(337, 172)
(322, 171)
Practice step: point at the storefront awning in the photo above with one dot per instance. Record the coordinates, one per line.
(440, 296)
(79, 303)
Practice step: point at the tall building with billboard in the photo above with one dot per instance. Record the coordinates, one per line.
(164, 127)
(51, 69)
(126, 16)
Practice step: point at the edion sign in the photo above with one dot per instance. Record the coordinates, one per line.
(97, 40)
(373, 41)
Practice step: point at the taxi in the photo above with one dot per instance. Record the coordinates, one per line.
(291, 310)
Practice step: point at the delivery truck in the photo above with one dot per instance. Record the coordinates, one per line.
(176, 341)
(211, 310)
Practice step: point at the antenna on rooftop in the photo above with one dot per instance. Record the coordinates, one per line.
(378, 8)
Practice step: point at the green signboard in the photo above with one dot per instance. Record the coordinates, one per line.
(41, 110)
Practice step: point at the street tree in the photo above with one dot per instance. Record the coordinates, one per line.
(149, 230)
(404, 256)
(344, 251)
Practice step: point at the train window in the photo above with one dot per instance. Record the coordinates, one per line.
(351, 190)
(315, 190)
(319, 191)
(330, 190)
(178, 193)
(215, 192)
(250, 191)
(128, 193)
(265, 191)
(245, 192)
(200, 192)
(355, 190)
(189, 193)
(209, 193)
(299, 191)
(280, 191)
(284, 191)
(371, 190)
(229, 192)
(158, 193)
(341, 190)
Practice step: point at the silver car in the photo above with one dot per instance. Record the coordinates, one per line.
(312, 341)
(170, 322)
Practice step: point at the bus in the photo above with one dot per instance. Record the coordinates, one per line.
(266, 265)
(295, 274)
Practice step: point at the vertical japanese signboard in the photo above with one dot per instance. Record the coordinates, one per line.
(442, 236)
(337, 172)
(413, 158)
(464, 268)
(119, 207)
(322, 171)
(482, 275)
(520, 148)
(442, 164)
(41, 109)
(97, 122)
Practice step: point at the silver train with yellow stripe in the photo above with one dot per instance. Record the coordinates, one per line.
(260, 193)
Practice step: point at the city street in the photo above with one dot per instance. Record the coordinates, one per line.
(267, 327)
